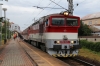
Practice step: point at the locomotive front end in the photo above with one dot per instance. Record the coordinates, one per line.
(62, 36)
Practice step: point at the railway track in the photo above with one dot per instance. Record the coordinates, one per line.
(76, 62)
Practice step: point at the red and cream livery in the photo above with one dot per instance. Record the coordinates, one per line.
(57, 34)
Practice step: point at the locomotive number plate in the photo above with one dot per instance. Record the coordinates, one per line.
(65, 41)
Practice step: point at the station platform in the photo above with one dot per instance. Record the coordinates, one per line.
(20, 53)
(14, 55)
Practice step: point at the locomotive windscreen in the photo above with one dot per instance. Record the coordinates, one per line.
(72, 22)
(58, 21)
(61, 21)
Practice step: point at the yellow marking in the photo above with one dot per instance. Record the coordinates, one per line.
(70, 55)
(63, 55)
(54, 55)
(40, 56)
(58, 55)
(74, 55)
(66, 55)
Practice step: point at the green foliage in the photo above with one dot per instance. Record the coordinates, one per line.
(1, 19)
(84, 30)
(4, 31)
(3, 36)
(90, 45)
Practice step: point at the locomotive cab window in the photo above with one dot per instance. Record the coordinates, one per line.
(47, 22)
(58, 21)
(72, 22)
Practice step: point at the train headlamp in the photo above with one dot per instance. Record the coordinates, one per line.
(65, 13)
(72, 42)
(58, 42)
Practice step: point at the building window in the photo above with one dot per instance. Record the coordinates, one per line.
(15, 27)
(96, 22)
(90, 23)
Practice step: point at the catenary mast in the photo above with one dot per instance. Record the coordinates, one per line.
(70, 6)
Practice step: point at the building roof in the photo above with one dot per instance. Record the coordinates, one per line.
(94, 28)
(90, 16)
(11, 23)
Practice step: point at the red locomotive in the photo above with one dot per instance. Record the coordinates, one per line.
(57, 34)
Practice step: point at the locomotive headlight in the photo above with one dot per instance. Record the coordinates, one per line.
(65, 13)
(72, 42)
(58, 42)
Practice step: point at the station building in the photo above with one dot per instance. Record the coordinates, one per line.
(14, 27)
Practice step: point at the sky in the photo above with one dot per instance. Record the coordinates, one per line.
(23, 13)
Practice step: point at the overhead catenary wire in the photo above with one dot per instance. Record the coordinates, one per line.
(61, 6)
(58, 5)
(43, 9)
(37, 4)
(33, 11)
(53, 6)
(49, 7)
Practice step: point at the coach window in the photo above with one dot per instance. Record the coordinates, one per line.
(46, 22)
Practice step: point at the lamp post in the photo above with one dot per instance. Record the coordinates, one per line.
(1, 33)
(8, 29)
(1, 23)
(5, 9)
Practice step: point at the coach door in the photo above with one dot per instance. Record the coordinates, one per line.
(41, 31)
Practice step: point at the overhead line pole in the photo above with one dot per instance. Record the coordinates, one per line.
(1, 24)
(70, 6)
(8, 29)
(5, 9)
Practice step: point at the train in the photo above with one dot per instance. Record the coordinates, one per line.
(56, 34)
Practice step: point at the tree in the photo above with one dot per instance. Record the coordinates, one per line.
(84, 30)
(4, 30)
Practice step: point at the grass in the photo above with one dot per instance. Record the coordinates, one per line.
(89, 54)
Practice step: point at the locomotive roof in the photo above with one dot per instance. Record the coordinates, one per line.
(58, 14)
(44, 18)
(55, 14)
